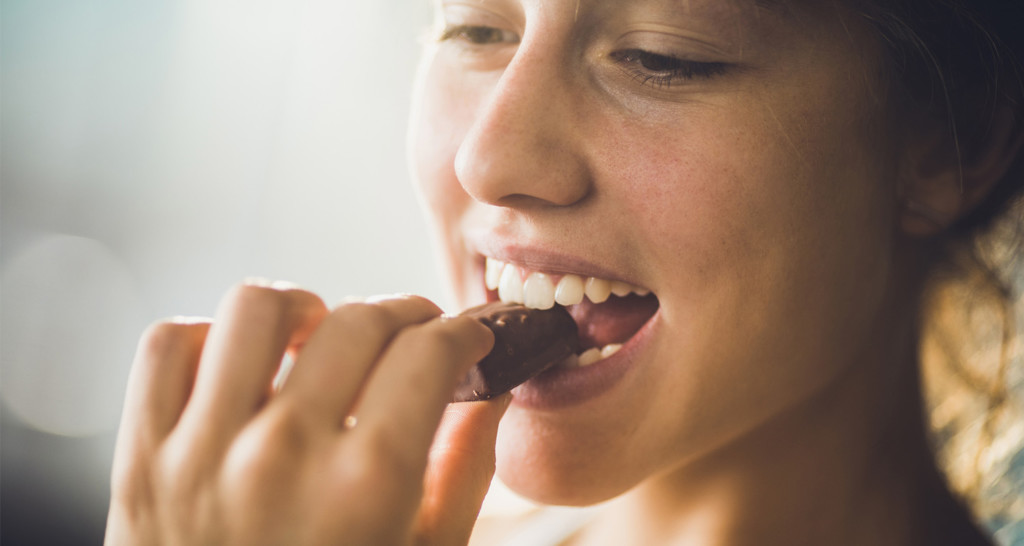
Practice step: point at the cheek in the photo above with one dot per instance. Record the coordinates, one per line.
(437, 125)
(790, 200)
(435, 133)
(439, 121)
(778, 235)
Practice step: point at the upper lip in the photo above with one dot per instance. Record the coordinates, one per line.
(543, 259)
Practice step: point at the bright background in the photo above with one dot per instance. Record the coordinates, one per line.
(153, 154)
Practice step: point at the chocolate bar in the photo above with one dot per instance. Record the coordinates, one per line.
(526, 342)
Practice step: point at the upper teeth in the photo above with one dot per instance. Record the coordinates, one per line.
(538, 291)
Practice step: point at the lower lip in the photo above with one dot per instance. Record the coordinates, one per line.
(561, 387)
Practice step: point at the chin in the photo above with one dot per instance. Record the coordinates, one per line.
(553, 490)
(545, 466)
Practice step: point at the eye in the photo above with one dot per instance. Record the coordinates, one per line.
(478, 35)
(664, 70)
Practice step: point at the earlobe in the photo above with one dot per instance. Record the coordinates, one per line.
(940, 182)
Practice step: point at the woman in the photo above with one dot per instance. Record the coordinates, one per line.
(768, 186)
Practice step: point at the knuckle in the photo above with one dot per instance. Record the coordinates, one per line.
(364, 317)
(439, 338)
(393, 310)
(380, 458)
(359, 466)
(178, 470)
(379, 488)
(168, 337)
(444, 340)
(274, 305)
(475, 339)
(131, 479)
(466, 326)
(267, 448)
(256, 300)
(421, 304)
(283, 431)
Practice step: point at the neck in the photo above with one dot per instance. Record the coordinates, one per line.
(848, 466)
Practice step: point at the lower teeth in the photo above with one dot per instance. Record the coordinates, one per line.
(591, 355)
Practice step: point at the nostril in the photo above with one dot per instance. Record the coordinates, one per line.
(506, 160)
(503, 176)
(524, 201)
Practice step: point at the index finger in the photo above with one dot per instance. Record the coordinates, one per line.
(415, 379)
(332, 367)
(254, 325)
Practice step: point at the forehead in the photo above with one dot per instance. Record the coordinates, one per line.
(696, 6)
(689, 6)
(721, 8)
(733, 26)
(719, 13)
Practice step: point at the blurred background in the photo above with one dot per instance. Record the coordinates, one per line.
(155, 153)
(152, 154)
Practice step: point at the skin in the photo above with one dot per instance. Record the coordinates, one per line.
(772, 235)
(205, 456)
(775, 399)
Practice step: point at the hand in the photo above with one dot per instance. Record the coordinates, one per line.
(208, 453)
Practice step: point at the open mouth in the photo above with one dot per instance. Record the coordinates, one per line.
(607, 313)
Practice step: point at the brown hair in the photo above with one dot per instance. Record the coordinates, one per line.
(960, 61)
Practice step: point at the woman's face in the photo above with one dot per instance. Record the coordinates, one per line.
(726, 155)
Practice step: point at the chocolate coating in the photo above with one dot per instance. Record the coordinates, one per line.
(526, 342)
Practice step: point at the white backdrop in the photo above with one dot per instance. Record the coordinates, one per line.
(154, 153)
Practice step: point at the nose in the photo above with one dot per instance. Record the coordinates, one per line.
(524, 148)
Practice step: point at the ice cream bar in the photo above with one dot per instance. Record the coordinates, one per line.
(526, 342)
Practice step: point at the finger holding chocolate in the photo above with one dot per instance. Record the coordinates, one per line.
(526, 342)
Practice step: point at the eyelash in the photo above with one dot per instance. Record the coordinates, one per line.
(477, 35)
(664, 70)
(645, 67)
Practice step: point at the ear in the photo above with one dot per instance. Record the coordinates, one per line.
(940, 184)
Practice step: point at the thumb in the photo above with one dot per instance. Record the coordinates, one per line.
(459, 471)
